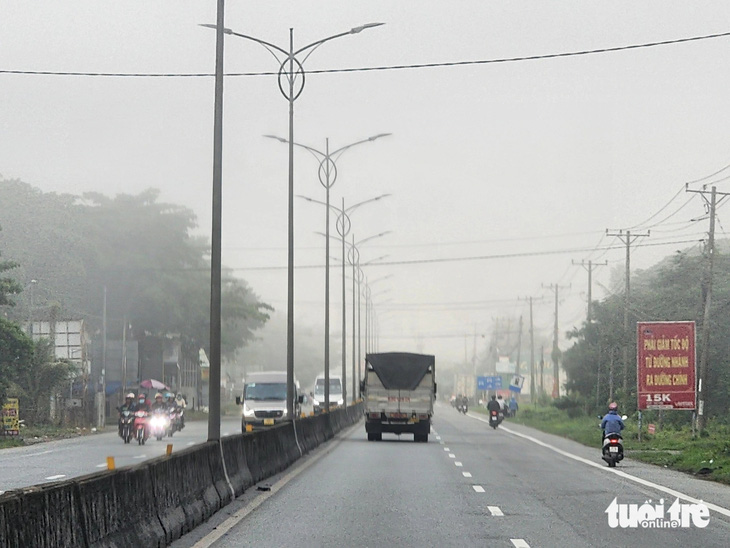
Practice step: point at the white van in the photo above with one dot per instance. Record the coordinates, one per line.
(335, 399)
(264, 399)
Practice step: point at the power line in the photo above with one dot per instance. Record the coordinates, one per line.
(377, 68)
(478, 258)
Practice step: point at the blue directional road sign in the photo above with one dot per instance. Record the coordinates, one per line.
(489, 383)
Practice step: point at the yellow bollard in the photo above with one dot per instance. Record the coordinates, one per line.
(168, 451)
(110, 463)
(249, 428)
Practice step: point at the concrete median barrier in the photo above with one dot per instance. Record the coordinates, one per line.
(236, 464)
(185, 489)
(158, 501)
(44, 516)
(118, 508)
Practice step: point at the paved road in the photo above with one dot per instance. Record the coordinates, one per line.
(469, 486)
(63, 459)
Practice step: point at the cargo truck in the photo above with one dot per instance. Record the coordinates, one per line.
(399, 390)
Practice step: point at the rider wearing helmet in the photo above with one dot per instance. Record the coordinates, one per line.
(128, 405)
(159, 403)
(142, 403)
(612, 423)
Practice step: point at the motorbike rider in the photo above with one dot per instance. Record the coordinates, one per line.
(174, 407)
(493, 405)
(128, 405)
(612, 423)
(182, 404)
(159, 403)
(502, 405)
(465, 402)
(142, 403)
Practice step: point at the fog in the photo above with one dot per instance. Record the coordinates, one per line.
(500, 174)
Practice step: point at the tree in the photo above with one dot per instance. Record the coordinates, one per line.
(8, 286)
(39, 378)
(16, 349)
(156, 273)
(666, 292)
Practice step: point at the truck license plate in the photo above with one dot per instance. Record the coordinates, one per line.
(613, 449)
(270, 422)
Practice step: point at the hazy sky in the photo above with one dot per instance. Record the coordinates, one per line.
(485, 160)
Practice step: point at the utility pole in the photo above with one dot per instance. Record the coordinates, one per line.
(542, 370)
(703, 387)
(627, 238)
(590, 267)
(556, 349)
(532, 357)
(519, 347)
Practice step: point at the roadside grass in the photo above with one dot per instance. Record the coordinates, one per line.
(706, 456)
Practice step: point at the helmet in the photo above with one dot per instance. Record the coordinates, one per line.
(129, 396)
(612, 406)
(494, 397)
(158, 395)
(142, 397)
(169, 395)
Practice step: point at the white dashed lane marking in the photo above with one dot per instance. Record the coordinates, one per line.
(457, 463)
(447, 449)
(519, 543)
(478, 488)
(452, 456)
(466, 474)
(140, 457)
(495, 511)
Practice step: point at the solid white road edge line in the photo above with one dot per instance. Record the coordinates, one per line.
(495, 511)
(209, 539)
(635, 479)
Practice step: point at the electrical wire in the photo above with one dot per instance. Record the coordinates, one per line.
(380, 68)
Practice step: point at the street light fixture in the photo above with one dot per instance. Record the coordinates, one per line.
(287, 77)
(343, 228)
(327, 174)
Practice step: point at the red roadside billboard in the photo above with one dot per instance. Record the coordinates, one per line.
(666, 365)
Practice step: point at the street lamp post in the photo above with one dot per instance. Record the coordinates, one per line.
(287, 77)
(358, 276)
(343, 225)
(327, 174)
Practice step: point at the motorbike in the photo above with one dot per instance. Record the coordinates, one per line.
(612, 450)
(126, 425)
(141, 431)
(495, 418)
(463, 408)
(175, 425)
(159, 423)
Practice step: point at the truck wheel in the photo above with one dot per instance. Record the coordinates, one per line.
(378, 437)
(371, 436)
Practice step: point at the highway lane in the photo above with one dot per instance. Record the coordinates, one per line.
(68, 458)
(469, 485)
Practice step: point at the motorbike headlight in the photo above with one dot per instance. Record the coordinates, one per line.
(315, 401)
(340, 401)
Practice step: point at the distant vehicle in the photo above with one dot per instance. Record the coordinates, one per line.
(335, 395)
(399, 390)
(264, 399)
